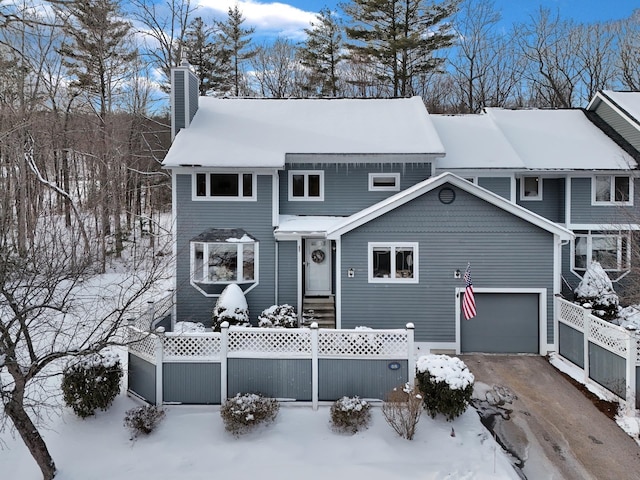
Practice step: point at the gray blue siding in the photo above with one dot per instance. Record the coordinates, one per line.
(504, 251)
(142, 378)
(628, 130)
(193, 95)
(583, 212)
(346, 186)
(608, 369)
(179, 104)
(191, 383)
(288, 273)
(195, 217)
(498, 185)
(552, 205)
(274, 378)
(571, 344)
(364, 378)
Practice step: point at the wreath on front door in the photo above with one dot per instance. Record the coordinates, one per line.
(317, 256)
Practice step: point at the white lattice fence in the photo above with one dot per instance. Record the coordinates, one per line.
(142, 343)
(362, 343)
(269, 341)
(571, 314)
(191, 346)
(608, 336)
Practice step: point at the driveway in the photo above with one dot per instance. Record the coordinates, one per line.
(553, 429)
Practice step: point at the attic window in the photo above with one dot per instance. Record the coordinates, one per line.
(611, 190)
(384, 182)
(224, 186)
(531, 188)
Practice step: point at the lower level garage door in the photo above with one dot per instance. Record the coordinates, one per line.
(505, 323)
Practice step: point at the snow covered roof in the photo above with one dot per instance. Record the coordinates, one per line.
(360, 218)
(305, 225)
(627, 102)
(527, 139)
(559, 139)
(258, 133)
(474, 141)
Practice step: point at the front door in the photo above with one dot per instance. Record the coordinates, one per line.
(317, 260)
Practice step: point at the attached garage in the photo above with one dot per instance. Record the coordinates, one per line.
(506, 322)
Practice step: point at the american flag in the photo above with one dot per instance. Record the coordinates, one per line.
(469, 301)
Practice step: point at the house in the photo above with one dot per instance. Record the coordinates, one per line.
(347, 210)
(568, 166)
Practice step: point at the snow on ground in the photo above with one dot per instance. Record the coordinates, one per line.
(191, 443)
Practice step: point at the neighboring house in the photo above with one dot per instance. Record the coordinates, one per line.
(565, 165)
(334, 207)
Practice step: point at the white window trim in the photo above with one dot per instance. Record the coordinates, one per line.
(240, 252)
(625, 264)
(306, 197)
(393, 246)
(374, 188)
(537, 197)
(209, 198)
(594, 202)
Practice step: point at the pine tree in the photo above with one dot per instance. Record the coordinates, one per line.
(99, 59)
(322, 52)
(205, 56)
(400, 37)
(235, 39)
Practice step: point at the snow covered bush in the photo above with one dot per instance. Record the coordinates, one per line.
(350, 414)
(245, 411)
(91, 382)
(143, 420)
(231, 307)
(278, 316)
(446, 385)
(596, 290)
(402, 410)
(188, 327)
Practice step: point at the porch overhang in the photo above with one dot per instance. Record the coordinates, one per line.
(294, 227)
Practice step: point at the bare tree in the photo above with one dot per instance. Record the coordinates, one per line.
(475, 51)
(276, 68)
(629, 52)
(548, 44)
(164, 24)
(48, 312)
(596, 53)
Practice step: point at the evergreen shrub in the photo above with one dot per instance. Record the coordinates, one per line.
(350, 414)
(446, 385)
(245, 411)
(91, 382)
(278, 316)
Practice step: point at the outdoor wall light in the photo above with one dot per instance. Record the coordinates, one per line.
(351, 273)
(456, 274)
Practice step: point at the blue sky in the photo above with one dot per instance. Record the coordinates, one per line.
(289, 17)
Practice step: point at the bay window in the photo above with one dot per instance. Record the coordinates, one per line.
(611, 250)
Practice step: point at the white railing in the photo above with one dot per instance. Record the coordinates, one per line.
(618, 340)
(153, 311)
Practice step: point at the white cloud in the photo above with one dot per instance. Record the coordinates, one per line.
(267, 17)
